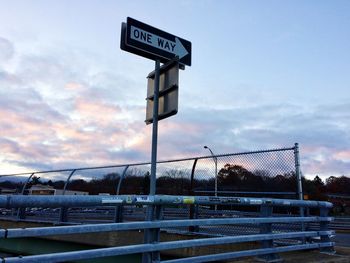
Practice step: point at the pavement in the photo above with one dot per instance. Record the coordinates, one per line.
(342, 255)
(342, 239)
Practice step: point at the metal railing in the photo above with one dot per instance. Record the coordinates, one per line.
(304, 239)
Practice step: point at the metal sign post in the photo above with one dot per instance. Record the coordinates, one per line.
(155, 130)
(150, 236)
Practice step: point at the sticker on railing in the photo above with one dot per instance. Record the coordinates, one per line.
(202, 199)
(214, 199)
(145, 199)
(112, 200)
(230, 200)
(177, 200)
(188, 200)
(255, 201)
(129, 199)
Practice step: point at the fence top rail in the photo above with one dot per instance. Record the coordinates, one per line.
(12, 201)
(148, 163)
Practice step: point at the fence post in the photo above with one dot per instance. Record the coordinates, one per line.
(119, 209)
(194, 207)
(156, 233)
(324, 226)
(307, 225)
(154, 212)
(62, 217)
(297, 171)
(118, 214)
(21, 212)
(121, 178)
(266, 228)
(299, 184)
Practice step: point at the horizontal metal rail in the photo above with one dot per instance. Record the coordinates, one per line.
(248, 253)
(132, 249)
(336, 224)
(15, 201)
(244, 192)
(90, 228)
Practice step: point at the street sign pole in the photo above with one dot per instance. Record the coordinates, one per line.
(149, 234)
(155, 130)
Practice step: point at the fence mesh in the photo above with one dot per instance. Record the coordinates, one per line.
(264, 171)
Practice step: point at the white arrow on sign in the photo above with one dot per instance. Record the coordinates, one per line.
(153, 40)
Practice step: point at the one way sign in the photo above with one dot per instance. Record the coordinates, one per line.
(153, 43)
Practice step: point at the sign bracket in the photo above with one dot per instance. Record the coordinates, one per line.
(163, 92)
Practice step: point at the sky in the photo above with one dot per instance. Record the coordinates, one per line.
(264, 74)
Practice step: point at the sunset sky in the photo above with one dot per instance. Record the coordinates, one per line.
(264, 74)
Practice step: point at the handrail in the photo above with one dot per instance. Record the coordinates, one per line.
(152, 244)
(14, 201)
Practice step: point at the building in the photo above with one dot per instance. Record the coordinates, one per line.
(7, 191)
(40, 189)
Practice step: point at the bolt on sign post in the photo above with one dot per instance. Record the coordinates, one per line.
(162, 89)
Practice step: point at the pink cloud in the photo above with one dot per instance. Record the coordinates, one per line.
(98, 112)
(74, 86)
(342, 155)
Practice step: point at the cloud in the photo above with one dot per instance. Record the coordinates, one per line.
(321, 131)
(55, 115)
(59, 109)
(96, 112)
(6, 50)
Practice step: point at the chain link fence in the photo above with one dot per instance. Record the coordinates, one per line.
(259, 173)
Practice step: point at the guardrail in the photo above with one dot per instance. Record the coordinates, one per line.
(152, 247)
